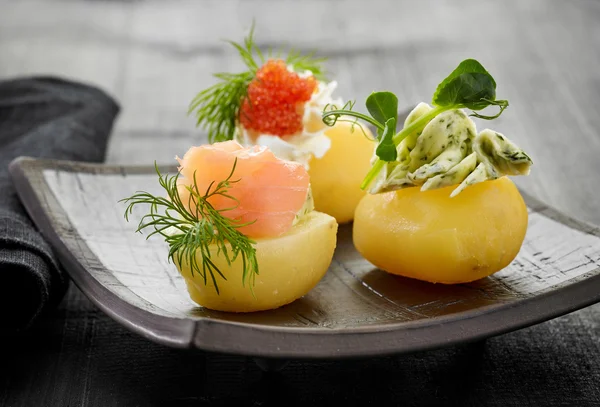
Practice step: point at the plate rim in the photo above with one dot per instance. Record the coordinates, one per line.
(268, 341)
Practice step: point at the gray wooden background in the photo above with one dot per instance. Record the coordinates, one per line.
(153, 56)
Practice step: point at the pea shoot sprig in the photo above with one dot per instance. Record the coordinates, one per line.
(190, 230)
(217, 108)
(469, 86)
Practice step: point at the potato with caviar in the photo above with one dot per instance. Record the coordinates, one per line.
(278, 103)
(290, 266)
(335, 178)
(431, 236)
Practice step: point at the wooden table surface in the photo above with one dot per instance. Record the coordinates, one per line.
(153, 56)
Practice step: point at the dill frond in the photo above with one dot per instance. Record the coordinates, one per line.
(307, 63)
(191, 234)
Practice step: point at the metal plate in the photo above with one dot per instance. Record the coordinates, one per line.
(356, 310)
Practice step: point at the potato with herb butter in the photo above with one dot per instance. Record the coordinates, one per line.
(441, 207)
(441, 239)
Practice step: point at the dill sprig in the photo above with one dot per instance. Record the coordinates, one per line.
(190, 232)
(217, 108)
(308, 62)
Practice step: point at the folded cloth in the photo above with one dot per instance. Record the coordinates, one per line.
(51, 118)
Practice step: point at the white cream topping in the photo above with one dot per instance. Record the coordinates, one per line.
(312, 141)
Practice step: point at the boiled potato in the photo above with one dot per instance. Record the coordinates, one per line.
(336, 177)
(430, 236)
(289, 267)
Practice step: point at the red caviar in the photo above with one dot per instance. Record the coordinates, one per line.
(275, 100)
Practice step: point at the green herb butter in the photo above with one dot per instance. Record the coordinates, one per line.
(450, 152)
(308, 207)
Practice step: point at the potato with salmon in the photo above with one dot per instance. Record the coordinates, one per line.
(277, 103)
(241, 227)
(290, 265)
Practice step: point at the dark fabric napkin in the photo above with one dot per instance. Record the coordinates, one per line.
(50, 118)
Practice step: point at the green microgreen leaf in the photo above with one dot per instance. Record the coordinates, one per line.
(469, 86)
(468, 66)
(382, 106)
(468, 89)
(386, 149)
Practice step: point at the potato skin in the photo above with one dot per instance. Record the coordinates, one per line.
(336, 177)
(430, 236)
(289, 267)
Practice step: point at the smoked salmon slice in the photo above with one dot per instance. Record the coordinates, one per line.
(270, 191)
